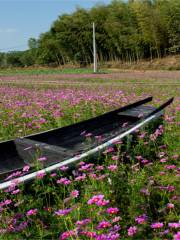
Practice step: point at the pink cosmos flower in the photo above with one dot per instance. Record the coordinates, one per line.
(100, 168)
(83, 222)
(157, 225)
(170, 205)
(116, 219)
(177, 236)
(26, 168)
(169, 167)
(132, 231)
(92, 175)
(86, 167)
(15, 192)
(141, 219)
(5, 202)
(40, 175)
(89, 234)
(74, 193)
(102, 202)
(174, 225)
(14, 174)
(163, 160)
(141, 136)
(145, 161)
(32, 212)
(64, 168)
(42, 159)
(145, 191)
(171, 188)
(81, 163)
(42, 120)
(115, 158)
(112, 168)
(80, 178)
(68, 234)
(95, 199)
(139, 158)
(53, 174)
(104, 224)
(64, 181)
(109, 150)
(112, 210)
(63, 212)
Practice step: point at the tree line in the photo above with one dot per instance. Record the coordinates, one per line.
(126, 31)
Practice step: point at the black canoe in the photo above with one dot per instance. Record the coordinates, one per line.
(64, 143)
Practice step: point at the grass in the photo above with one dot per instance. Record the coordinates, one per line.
(129, 192)
(40, 71)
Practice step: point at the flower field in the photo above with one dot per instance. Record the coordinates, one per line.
(129, 192)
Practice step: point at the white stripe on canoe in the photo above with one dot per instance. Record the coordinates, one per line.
(101, 147)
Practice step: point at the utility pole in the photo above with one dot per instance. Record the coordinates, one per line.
(94, 49)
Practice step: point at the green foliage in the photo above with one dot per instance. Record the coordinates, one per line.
(125, 30)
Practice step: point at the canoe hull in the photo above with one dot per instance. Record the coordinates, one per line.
(61, 144)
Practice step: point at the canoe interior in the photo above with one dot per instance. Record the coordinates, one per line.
(63, 143)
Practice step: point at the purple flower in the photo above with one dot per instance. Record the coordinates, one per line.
(15, 191)
(5, 202)
(21, 226)
(112, 210)
(83, 222)
(26, 168)
(64, 181)
(177, 236)
(141, 219)
(116, 219)
(99, 168)
(115, 158)
(40, 175)
(102, 202)
(74, 194)
(89, 234)
(170, 205)
(95, 199)
(104, 224)
(132, 231)
(64, 168)
(157, 225)
(112, 167)
(63, 212)
(68, 234)
(168, 167)
(42, 159)
(109, 150)
(174, 225)
(145, 191)
(80, 178)
(32, 212)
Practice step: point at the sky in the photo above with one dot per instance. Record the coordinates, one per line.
(23, 19)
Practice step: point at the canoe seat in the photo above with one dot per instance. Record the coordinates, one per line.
(30, 151)
(138, 112)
